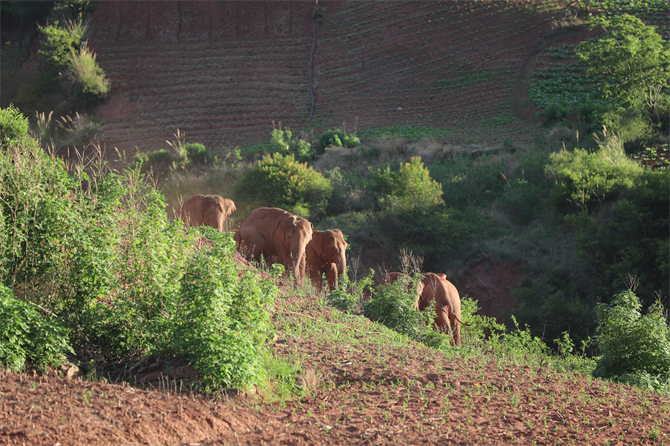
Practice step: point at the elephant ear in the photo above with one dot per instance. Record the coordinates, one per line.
(317, 243)
(229, 207)
(279, 229)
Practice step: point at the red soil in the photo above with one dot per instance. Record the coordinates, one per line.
(357, 392)
(224, 71)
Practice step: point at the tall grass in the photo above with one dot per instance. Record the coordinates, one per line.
(87, 75)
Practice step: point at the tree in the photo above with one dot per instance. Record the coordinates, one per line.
(410, 188)
(632, 57)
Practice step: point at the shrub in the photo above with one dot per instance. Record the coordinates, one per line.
(281, 142)
(13, 126)
(585, 179)
(469, 182)
(162, 156)
(221, 321)
(349, 293)
(635, 349)
(393, 306)
(197, 153)
(337, 138)
(27, 337)
(481, 327)
(281, 181)
(87, 77)
(129, 282)
(554, 114)
(410, 188)
(60, 42)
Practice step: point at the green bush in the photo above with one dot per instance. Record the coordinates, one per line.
(197, 153)
(337, 138)
(469, 182)
(87, 77)
(281, 181)
(162, 157)
(28, 337)
(392, 305)
(349, 293)
(584, 179)
(221, 321)
(59, 43)
(554, 114)
(81, 74)
(13, 126)
(410, 188)
(281, 142)
(481, 327)
(129, 282)
(635, 349)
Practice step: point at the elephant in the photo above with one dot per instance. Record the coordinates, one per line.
(325, 253)
(447, 304)
(436, 287)
(207, 210)
(279, 236)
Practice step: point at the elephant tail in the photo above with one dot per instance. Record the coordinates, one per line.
(461, 322)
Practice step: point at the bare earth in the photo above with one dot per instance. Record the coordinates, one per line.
(357, 392)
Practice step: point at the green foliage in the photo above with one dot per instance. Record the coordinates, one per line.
(198, 153)
(129, 282)
(337, 138)
(553, 114)
(87, 77)
(164, 160)
(631, 237)
(585, 179)
(469, 182)
(79, 72)
(481, 327)
(281, 181)
(632, 344)
(392, 305)
(632, 57)
(13, 126)
(279, 377)
(60, 42)
(28, 337)
(157, 157)
(349, 293)
(410, 188)
(282, 142)
(221, 321)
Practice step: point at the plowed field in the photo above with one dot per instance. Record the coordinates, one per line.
(224, 71)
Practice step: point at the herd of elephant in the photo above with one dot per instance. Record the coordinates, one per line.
(279, 236)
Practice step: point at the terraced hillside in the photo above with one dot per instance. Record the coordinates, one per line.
(224, 71)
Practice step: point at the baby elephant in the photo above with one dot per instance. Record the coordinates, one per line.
(206, 210)
(325, 253)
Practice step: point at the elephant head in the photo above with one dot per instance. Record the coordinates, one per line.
(292, 234)
(208, 210)
(215, 210)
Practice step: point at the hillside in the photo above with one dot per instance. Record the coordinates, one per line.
(362, 384)
(224, 71)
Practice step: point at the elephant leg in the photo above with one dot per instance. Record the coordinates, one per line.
(315, 275)
(455, 330)
(444, 323)
(331, 275)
